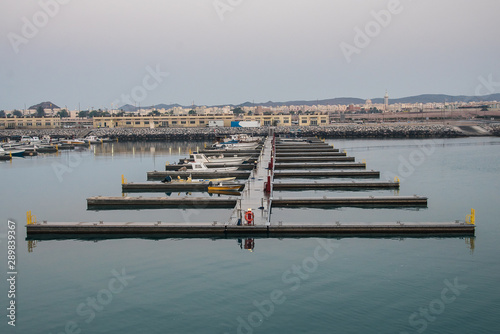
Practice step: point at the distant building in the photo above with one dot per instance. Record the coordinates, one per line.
(386, 101)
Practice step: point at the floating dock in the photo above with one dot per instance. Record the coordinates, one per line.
(246, 166)
(404, 201)
(171, 186)
(133, 203)
(333, 153)
(229, 153)
(318, 174)
(346, 165)
(299, 149)
(157, 176)
(301, 158)
(335, 185)
(218, 229)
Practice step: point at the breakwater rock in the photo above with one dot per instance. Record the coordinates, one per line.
(200, 134)
(495, 130)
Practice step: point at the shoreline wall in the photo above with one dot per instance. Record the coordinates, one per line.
(334, 131)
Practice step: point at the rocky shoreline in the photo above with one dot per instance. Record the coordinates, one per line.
(186, 134)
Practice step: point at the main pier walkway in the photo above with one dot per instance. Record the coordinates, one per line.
(254, 197)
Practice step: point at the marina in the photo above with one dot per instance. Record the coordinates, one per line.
(252, 201)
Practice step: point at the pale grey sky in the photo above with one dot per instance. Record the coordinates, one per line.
(102, 52)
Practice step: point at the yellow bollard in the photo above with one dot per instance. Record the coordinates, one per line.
(124, 180)
(396, 179)
(363, 161)
(471, 219)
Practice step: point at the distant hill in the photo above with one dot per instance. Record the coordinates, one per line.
(440, 98)
(425, 98)
(45, 105)
(131, 108)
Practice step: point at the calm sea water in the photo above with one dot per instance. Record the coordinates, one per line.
(291, 285)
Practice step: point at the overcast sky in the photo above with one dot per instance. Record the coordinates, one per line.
(102, 52)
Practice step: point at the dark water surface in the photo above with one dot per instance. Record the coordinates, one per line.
(291, 285)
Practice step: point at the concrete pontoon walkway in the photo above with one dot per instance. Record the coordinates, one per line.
(253, 197)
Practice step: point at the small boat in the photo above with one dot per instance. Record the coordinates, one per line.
(168, 179)
(14, 153)
(234, 145)
(35, 140)
(224, 192)
(241, 138)
(219, 160)
(93, 140)
(226, 187)
(25, 139)
(73, 142)
(200, 166)
(46, 149)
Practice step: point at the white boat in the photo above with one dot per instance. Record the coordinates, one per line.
(219, 160)
(169, 179)
(200, 166)
(235, 146)
(241, 138)
(25, 139)
(73, 141)
(35, 140)
(14, 153)
(93, 140)
(46, 140)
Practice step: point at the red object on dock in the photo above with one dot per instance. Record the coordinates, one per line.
(267, 185)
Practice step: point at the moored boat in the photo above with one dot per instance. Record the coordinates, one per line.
(73, 141)
(222, 187)
(12, 152)
(200, 166)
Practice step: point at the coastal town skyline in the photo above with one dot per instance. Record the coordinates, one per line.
(425, 101)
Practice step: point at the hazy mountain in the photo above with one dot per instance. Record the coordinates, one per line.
(130, 108)
(425, 98)
(440, 98)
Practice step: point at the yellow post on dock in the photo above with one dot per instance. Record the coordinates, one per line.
(471, 219)
(124, 180)
(30, 219)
